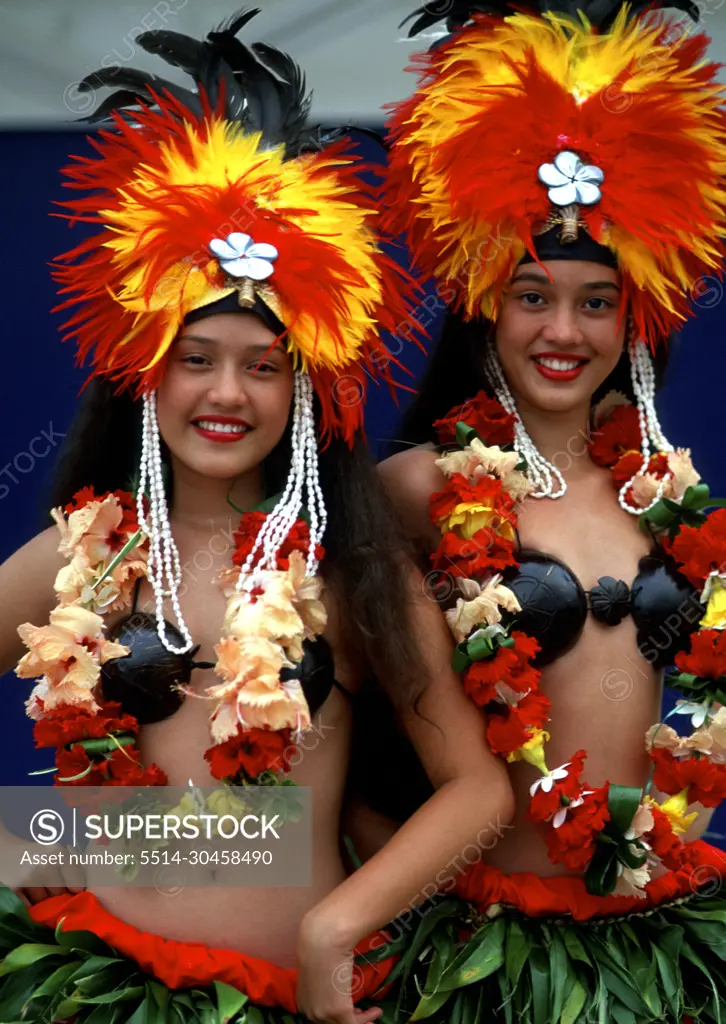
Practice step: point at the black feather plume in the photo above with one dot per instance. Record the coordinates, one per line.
(601, 13)
(176, 49)
(263, 88)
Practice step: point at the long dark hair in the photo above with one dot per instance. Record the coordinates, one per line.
(367, 552)
(455, 373)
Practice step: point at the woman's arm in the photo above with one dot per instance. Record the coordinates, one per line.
(26, 592)
(473, 800)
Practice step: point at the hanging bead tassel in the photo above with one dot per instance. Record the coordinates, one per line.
(643, 377)
(302, 489)
(164, 565)
(548, 481)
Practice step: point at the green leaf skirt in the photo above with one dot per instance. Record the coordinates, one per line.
(50, 976)
(665, 963)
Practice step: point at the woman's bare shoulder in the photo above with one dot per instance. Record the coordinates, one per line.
(410, 478)
(26, 591)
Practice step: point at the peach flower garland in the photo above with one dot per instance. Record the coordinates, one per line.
(477, 513)
(255, 714)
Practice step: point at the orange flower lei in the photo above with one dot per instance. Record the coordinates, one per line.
(255, 717)
(614, 834)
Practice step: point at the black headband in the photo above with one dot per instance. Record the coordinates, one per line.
(549, 247)
(230, 304)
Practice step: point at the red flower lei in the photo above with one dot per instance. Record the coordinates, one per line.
(99, 747)
(500, 677)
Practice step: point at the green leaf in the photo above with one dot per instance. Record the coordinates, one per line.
(670, 979)
(103, 1015)
(54, 982)
(574, 1004)
(622, 1015)
(623, 988)
(561, 973)
(65, 1010)
(574, 947)
(122, 995)
(487, 958)
(429, 1005)
(27, 954)
(516, 951)
(147, 1012)
(82, 942)
(229, 1001)
(540, 975)
(623, 802)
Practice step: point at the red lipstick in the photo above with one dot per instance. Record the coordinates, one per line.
(221, 429)
(566, 368)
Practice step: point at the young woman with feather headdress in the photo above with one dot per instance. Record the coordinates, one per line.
(559, 174)
(230, 300)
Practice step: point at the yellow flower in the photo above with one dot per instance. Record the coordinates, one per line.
(715, 593)
(471, 516)
(675, 808)
(223, 801)
(533, 750)
(484, 607)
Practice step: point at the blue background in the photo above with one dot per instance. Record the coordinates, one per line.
(39, 382)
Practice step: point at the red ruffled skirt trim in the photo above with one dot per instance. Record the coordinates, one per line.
(192, 964)
(535, 896)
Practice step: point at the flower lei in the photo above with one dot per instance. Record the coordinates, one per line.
(614, 834)
(256, 717)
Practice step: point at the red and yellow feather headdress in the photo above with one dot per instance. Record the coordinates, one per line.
(201, 196)
(522, 122)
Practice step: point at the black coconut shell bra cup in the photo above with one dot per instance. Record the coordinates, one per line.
(663, 604)
(146, 681)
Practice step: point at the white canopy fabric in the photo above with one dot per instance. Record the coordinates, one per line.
(352, 50)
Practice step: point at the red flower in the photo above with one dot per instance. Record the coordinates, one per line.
(632, 462)
(664, 842)
(573, 843)
(124, 768)
(700, 550)
(619, 433)
(508, 732)
(707, 656)
(486, 415)
(510, 665)
(543, 805)
(486, 552)
(251, 751)
(65, 725)
(488, 492)
(704, 780)
(73, 762)
(298, 539)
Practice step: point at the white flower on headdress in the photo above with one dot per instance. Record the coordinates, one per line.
(239, 256)
(570, 181)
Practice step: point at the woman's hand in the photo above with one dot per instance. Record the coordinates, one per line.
(327, 977)
(31, 883)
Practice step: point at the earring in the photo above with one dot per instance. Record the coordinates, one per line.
(642, 375)
(547, 479)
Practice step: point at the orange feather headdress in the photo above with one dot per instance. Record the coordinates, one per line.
(209, 194)
(523, 122)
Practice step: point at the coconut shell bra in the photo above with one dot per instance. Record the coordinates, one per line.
(146, 682)
(554, 605)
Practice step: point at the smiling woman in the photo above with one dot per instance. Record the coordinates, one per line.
(202, 630)
(557, 172)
